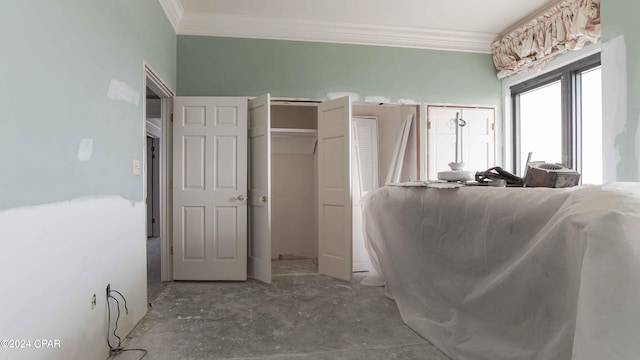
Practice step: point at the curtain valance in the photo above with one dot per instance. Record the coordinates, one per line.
(567, 26)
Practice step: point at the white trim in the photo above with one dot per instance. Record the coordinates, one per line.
(263, 27)
(166, 221)
(154, 127)
(174, 12)
(157, 84)
(160, 88)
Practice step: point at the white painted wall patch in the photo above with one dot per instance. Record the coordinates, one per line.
(123, 92)
(336, 95)
(377, 100)
(614, 103)
(85, 149)
(407, 101)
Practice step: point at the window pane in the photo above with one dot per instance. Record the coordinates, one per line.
(591, 126)
(541, 124)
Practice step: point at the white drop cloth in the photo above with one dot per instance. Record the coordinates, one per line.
(512, 273)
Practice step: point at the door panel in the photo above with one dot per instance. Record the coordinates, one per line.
(194, 155)
(334, 189)
(193, 220)
(226, 148)
(210, 187)
(260, 188)
(335, 165)
(226, 246)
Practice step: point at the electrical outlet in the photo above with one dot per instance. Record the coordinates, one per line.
(108, 290)
(93, 302)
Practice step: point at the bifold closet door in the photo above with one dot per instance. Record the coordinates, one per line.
(334, 189)
(260, 189)
(210, 188)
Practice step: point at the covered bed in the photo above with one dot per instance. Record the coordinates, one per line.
(512, 273)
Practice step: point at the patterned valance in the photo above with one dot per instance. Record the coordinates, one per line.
(567, 26)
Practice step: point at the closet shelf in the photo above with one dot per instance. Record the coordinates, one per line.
(293, 141)
(294, 132)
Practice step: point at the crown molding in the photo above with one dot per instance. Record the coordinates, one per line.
(535, 15)
(174, 11)
(245, 26)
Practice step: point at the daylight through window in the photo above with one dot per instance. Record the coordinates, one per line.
(558, 117)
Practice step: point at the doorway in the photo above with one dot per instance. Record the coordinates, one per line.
(157, 110)
(152, 166)
(294, 188)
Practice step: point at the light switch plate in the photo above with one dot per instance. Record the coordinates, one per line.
(136, 167)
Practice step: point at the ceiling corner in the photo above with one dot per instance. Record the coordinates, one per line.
(174, 11)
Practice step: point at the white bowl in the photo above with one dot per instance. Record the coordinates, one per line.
(456, 165)
(456, 175)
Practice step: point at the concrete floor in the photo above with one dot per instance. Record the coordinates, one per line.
(294, 267)
(154, 285)
(301, 315)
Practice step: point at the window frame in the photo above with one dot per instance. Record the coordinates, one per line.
(569, 76)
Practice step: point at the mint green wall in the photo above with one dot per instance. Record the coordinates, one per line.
(619, 18)
(70, 224)
(216, 66)
(57, 60)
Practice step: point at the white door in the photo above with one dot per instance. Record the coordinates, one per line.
(476, 138)
(210, 188)
(364, 170)
(334, 188)
(259, 250)
(479, 139)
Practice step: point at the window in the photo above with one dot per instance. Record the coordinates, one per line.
(557, 116)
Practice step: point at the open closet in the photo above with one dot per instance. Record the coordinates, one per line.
(308, 163)
(294, 186)
(383, 149)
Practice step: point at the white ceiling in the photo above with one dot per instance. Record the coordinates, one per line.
(460, 25)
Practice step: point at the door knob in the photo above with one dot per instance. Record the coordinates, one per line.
(241, 197)
(263, 199)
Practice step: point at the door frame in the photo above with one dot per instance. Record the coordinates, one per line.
(152, 176)
(160, 88)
